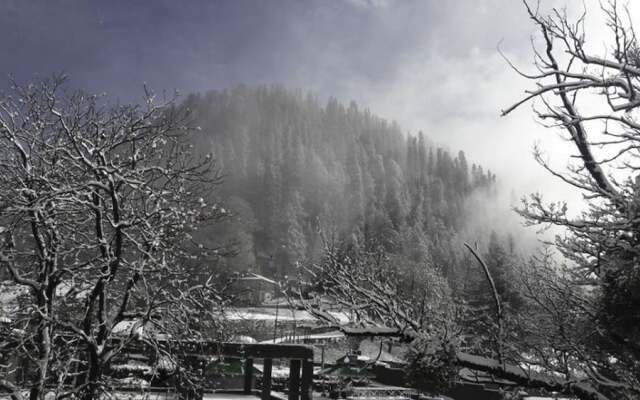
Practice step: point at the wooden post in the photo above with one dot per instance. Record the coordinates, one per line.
(307, 380)
(322, 368)
(248, 375)
(294, 380)
(266, 379)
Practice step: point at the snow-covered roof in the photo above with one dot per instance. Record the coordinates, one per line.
(127, 327)
(9, 294)
(281, 314)
(243, 339)
(315, 336)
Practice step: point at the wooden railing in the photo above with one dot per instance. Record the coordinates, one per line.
(300, 362)
(300, 366)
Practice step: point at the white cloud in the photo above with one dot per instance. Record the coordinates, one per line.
(452, 83)
(371, 3)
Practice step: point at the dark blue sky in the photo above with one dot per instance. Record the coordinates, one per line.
(188, 45)
(322, 45)
(118, 45)
(429, 64)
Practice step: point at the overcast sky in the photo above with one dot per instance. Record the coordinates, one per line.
(431, 65)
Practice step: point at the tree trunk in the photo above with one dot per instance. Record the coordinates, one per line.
(43, 338)
(92, 377)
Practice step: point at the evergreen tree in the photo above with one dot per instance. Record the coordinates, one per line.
(308, 173)
(501, 266)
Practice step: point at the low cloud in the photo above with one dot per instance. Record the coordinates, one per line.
(430, 65)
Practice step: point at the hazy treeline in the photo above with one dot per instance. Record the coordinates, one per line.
(298, 174)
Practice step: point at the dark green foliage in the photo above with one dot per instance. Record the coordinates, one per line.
(619, 313)
(431, 367)
(502, 260)
(501, 264)
(480, 316)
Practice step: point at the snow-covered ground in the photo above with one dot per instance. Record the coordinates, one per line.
(545, 398)
(116, 396)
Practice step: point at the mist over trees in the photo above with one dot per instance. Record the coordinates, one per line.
(299, 175)
(577, 332)
(128, 234)
(119, 228)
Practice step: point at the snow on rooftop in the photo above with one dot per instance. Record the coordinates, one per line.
(271, 314)
(243, 339)
(315, 336)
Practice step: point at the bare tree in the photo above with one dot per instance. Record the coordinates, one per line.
(592, 95)
(367, 288)
(98, 209)
(374, 290)
(581, 334)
